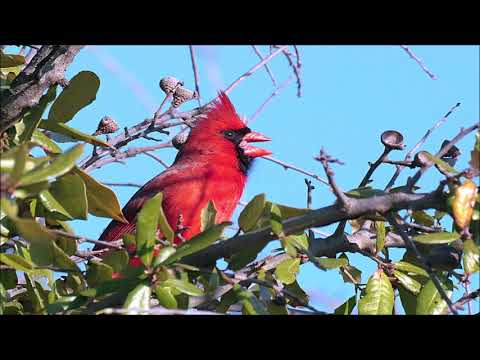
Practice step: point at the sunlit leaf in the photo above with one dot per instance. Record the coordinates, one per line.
(470, 257)
(409, 283)
(347, 307)
(102, 201)
(251, 213)
(422, 218)
(165, 297)
(70, 191)
(379, 296)
(364, 192)
(251, 304)
(429, 301)
(437, 238)
(328, 263)
(440, 163)
(287, 270)
(42, 140)
(98, 272)
(276, 219)
(410, 269)
(183, 286)
(380, 229)
(146, 230)
(11, 60)
(61, 165)
(72, 133)
(117, 260)
(138, 299)
(16, 262)
(80, 92)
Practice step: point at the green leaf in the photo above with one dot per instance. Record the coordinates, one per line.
(68, 245)
(17, 262)
(61, 165)
(252, 213)
(380, 229)
(98, 273)
(409, 283)
(165, 297)
(102, 201)
(347, 307)
(207, 216)
(47, 144)
(329, 263)
(8, 207)
(302, 297)
(164, 226)
(21, 156)
(409, 300)
(198, 242)
(276, 219)
(117, 260)
(437, 238)
(287, 270)
(379, 296)
(429, 301)
(80, 92)
(71, 192)
(138, 298)
(183, 286)
(71, 133)
(163, 255)
(410, 269)
(422, 218)
(8, 278)
(33, 117)
(146, 230)
(298, 241)
(10, 60)
(350, 274)
(470, 257)
(364, 192)
(34, 295)
(251, 304)
(53, 206)
(244, 257)
(440, 163)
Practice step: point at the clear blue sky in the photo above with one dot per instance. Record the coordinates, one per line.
(350, 95)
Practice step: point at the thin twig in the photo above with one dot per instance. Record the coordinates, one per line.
(418, 61)
(296, 70)
(374, 166)
(267, 68)
(195, 73)
(267, 100)
(464, 300)
(122, 184)
(287, 166)
(408, 157)
(81, 239)
(155, 157)
(250, 72)
(399, 227)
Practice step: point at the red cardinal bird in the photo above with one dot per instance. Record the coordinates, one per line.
(211, 165)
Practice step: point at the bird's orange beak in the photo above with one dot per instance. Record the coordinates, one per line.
(253, 151)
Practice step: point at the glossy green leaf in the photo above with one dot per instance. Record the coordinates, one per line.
(429, 301)
(422, 218)
(98, 272)
(251, 213)
(163, 255)
(408, 300)
(379, 296)
(61, 165)
(80, 92)
(102, 201)
(165, 297)
(437, 238)
(364, 192)
(287, 270)
(276, 219)
(20, 162)
(117, 260)
(440, 163)
(34, 295)
(470, 257)
(298, 241)
(329, 263)
(146, 230)
(53, 206)
(183, 286)
(251, 304)
(138, 298)
(207, 216)
(17, 262)
(347, 307)
(409, 283)
(164, 226)
(380, 229)
(410, 269)
(198, 242)
(71, 132)
(47, 144)
(33, 117)
(70, 191)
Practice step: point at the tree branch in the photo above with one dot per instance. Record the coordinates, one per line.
(45, 69)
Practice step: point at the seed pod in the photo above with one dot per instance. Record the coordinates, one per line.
(422, 159)
(106, 126)
(463, 203)
(392, 139)
(168, 84)
(182, 95)
(179, 140)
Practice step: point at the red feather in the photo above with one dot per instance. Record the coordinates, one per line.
(207, 168)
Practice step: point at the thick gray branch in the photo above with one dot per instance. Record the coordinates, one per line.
(46, 68)
(320, 217)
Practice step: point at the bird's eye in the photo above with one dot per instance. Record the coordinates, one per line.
(229, 134)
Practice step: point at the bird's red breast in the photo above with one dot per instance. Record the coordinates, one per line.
(211, 165)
